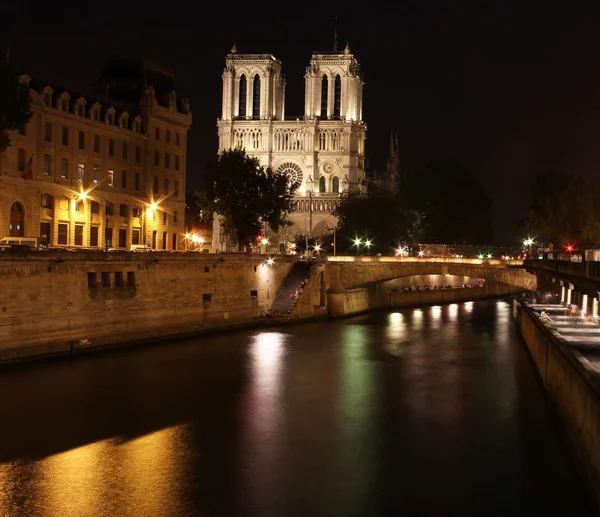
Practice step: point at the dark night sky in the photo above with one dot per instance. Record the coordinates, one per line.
(507, 89)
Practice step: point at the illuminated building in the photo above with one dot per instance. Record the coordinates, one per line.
(105, 170)
(322, 150)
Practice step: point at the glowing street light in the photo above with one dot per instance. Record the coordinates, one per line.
(270, 262)
(357, 243)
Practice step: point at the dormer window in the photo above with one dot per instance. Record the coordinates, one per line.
(173, 101)
(64, 105)
(111, 119)
(95, 112)
(48, 99)
(124, 121)
(81, 107)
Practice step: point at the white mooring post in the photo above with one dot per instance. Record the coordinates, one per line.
(595, 307)
(584, 304)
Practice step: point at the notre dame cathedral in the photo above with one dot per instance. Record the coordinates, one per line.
(323, 150)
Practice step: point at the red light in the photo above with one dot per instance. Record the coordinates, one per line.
(332, 244)
(524, 255)
(259, 238)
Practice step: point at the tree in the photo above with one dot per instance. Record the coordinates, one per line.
(564, 209)
(375, 215)
(247, 195)
(446, 205)
(15, 103)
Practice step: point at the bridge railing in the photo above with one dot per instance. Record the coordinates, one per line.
(424, 260)
(578, 267)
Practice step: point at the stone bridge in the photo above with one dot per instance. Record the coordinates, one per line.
(353, 272)
(356, 284)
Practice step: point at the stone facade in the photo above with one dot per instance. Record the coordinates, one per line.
(55, 302)
(104, 170)
(322, 150)
(60, 302)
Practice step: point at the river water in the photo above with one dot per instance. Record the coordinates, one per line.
(433, 411)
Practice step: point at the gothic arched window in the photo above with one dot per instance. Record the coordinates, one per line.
(242, 97)
(337, 97)
(322, 184)
(324, 91)
(256, 98)
(335, 185)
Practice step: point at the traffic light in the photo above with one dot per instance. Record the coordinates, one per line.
(332, 244)
(259, 237)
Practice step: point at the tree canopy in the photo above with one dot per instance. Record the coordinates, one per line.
(375, 216)
(447, 205)
(564, 209)
(15, 103)
(246, 195)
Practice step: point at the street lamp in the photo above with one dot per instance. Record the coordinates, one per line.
(528, 242)
(357, 243)
(368, 245)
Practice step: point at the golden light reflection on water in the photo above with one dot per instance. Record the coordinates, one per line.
(453, 312)
(105, 478)
(417, 319)
(396, 335)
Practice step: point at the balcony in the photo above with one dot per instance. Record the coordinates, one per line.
(322, 202)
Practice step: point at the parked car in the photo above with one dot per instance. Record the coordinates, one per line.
(140, 248)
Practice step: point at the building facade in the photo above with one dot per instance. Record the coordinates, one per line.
(322, 150)
(105, 170)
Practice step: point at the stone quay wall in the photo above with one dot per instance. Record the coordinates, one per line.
(60, 302)
(572, 389)
(362, 299)
(65, 302)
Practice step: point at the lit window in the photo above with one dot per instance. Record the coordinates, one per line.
(111, 178)
(80, 171)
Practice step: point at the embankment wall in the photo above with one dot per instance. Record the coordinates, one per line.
(572, 389)
(60, 302)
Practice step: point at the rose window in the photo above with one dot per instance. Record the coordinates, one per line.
(328, 168)
(292, 171)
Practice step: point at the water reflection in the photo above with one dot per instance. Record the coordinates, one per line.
(357, 417)
(263, 420)
(452, 312)
(396, 336)
(110, 477)
(417, 412)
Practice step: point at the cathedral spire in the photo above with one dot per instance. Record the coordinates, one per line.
(234, 48)
(335, 44)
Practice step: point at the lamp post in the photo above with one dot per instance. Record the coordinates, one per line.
(528, 242)
(334, 244)
(357, 243)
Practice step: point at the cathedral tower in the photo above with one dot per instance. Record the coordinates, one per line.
(323, 150)
(253, 87)
(333, 87)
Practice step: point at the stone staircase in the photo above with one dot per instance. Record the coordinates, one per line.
(284, 302)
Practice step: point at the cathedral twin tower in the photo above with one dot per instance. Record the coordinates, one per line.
(323, 150)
